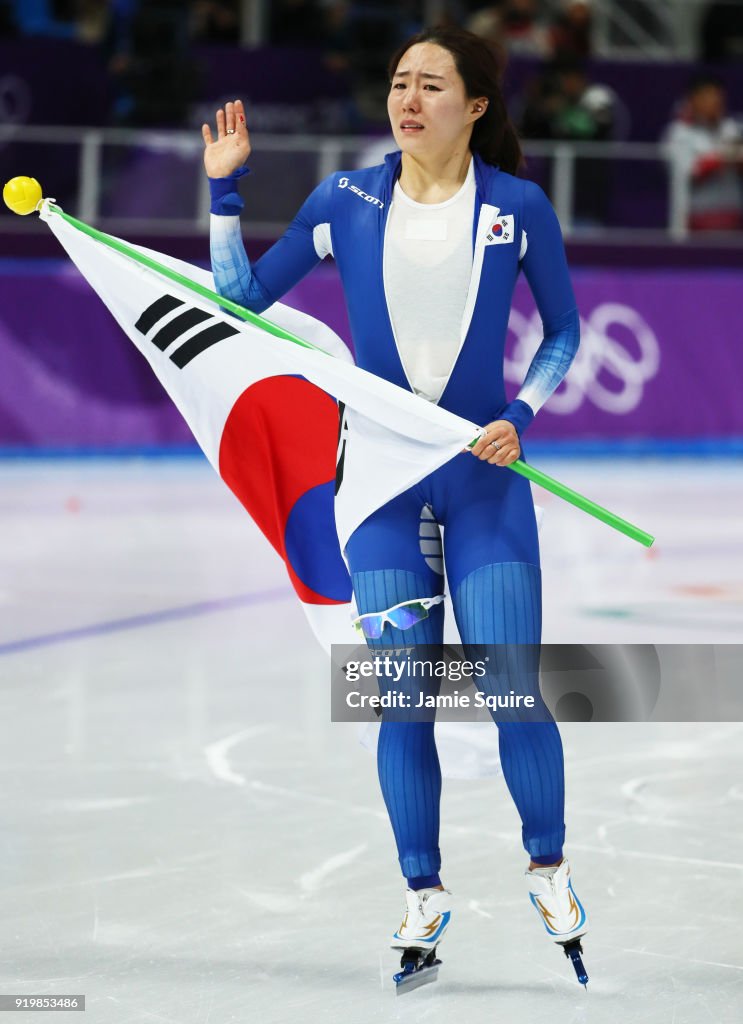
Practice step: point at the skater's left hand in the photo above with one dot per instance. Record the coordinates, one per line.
(503, 433)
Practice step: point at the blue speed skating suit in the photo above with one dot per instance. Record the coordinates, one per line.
(490, 547)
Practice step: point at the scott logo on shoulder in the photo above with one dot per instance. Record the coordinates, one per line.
(344, 183)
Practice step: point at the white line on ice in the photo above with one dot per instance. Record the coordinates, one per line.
(312, 880)
(111, 804)
(632, 789)
(216, 753)
(510, 841)
(158, 1016)
(684, 959)
(667, 857)
(699, 748)
(475, 907)
(298, 794)
(275, 903)
(151, 871)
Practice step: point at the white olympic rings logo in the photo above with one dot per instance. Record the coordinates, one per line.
(605, 370)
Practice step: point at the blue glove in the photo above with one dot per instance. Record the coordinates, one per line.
(519, 413)
(226, 200)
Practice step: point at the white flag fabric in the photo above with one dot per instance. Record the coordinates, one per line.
(242, 390)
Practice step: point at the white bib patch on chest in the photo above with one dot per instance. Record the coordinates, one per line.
(426, 230)
(427, 268)
(500, 230)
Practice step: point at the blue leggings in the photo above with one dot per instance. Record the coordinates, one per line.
(491, 553)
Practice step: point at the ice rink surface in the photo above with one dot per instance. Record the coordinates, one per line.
(187, 838)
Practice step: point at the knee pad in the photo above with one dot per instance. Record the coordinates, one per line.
(500, 603)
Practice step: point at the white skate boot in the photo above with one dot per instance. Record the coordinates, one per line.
(422, 929)
(561, 912)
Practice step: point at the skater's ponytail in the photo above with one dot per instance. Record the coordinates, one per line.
(481, 68)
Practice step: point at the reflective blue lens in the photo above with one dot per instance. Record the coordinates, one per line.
(407, 616)
(371, 625)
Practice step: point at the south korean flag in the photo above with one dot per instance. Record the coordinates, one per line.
(500, 230)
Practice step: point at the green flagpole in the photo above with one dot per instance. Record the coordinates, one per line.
(535, 475)
(581, 502)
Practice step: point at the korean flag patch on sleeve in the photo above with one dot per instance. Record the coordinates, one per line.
(500, 231)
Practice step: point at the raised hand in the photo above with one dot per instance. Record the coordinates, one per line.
(229, 151)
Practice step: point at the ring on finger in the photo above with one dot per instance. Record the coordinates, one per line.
(230, 131)
(494, 444)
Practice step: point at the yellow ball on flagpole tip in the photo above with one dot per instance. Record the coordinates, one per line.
(22, 195)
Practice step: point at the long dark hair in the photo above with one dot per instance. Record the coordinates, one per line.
(480, 67)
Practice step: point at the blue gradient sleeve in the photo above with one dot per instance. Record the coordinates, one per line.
(257, 286)
(233, 275)
(546, 270)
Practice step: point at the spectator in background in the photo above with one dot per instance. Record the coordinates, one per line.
(570, 33)
(92, 20)
(8, 28)
(358, 39)
(81, 20)
(708, 148)
(563, 104)
(215, 21)
(296, 23)
(515, 25)
(524, 31)
(487, 23)
(153, 75)
(55, 18)
(721, 32)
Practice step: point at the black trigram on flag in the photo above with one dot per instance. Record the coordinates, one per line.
(340, 457)
(180, 325)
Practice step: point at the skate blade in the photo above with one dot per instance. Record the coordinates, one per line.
(573, 951)
(406, 981)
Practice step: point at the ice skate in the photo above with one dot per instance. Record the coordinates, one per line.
(421, 930)
(561, 912)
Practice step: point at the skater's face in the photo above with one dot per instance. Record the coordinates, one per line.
(429, 110)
